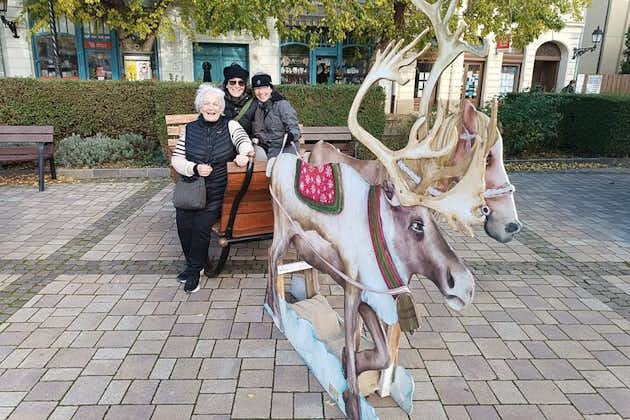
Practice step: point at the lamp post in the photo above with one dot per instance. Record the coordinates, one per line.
(53, 37)
(11, 24)
(597, 36)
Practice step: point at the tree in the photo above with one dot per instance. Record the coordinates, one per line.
(625, 66)
(142, 19)
(363, 20)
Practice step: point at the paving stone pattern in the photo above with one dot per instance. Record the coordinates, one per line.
(94, 324)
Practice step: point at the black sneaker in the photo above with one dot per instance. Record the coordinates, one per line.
(192, 284)
(181, 277)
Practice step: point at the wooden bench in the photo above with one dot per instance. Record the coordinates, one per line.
(38, 146)
(247, 212)
(340, 137)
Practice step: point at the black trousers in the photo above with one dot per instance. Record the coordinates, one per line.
(193, 228)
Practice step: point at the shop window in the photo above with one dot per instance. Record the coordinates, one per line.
(423, 71)
(99, 55)
(294, 68)
(67, 56)
(355, 65)
(474, 74)
(99, 65)
(509, 79)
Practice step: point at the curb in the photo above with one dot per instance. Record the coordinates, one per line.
(98, 173)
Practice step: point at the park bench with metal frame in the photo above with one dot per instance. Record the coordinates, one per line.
(20, 143)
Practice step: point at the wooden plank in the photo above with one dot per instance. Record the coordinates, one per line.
(294, 267)
(322, 129)
(174, 130)
(334, 137)
(248, 207)
(258, 182)
(180, 118)
(26, 129)
(259, 166)
(26, 138)
(261, 222)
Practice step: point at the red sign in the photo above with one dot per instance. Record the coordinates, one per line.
(504, 45)
(97, 45)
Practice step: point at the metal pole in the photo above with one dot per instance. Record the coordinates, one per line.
(53, 35)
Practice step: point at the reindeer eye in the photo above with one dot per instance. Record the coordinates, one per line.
(489, 159)
(417, 226)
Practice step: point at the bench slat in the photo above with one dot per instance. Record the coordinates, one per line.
(26, 129)
(249, 224)
(330, 137)
(180, 119)
(26, 138)
(317, 130)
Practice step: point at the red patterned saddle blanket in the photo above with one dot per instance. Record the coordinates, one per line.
(319, 187)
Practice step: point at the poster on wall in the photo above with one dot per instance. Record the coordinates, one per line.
(138, 67)
(593, 83)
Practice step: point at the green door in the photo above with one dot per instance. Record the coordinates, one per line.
(219, 56)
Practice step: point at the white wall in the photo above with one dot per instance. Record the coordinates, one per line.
(176, 56)
(16, 52)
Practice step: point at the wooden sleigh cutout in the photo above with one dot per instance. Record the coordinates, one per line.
(316, 332)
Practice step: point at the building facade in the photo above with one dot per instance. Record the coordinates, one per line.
(613, 17)
(93, 51)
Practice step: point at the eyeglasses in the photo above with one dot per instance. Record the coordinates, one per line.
(236, 82)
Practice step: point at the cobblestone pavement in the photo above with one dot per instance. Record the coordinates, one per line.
(94, 324)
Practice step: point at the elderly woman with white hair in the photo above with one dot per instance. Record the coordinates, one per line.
(204, 150)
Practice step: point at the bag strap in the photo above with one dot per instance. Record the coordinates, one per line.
(244, 109)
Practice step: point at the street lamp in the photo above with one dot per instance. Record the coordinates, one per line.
(597, 36)
(11, 24)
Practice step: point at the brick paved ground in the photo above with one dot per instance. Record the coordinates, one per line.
(94, 324)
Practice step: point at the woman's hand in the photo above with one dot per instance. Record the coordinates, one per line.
(204, 170)
(241, 160)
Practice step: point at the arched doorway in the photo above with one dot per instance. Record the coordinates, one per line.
(546, 67)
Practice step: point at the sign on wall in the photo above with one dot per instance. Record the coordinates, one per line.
(138, 67)
(593, 83)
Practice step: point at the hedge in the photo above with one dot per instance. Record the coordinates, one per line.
(116, 107)
(537, 123)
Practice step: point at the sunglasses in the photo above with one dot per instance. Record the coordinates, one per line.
(236, 82)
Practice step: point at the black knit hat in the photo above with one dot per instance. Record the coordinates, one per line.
(261, 79)
(233, 71)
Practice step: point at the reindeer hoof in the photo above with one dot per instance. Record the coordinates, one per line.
(353, 406)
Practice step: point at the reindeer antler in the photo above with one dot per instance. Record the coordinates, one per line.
(460, 204)
(450, 47)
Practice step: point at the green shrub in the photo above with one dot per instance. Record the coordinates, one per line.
(145, 151)
(536, 123)
(76, 151)
(596, 125)
(530, 122)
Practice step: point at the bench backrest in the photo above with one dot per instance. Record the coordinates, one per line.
(338, 136)
(26, 134)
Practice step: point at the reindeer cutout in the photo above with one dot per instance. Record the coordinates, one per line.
(379, 233)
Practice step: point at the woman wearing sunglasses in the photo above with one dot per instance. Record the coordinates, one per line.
(237, 97)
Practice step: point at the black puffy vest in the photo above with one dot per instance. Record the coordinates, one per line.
(211, 143)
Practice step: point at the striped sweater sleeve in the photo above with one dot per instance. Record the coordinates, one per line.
(241, 140)
(178, 160)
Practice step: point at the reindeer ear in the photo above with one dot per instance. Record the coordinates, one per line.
(469, 117)
(390, 194)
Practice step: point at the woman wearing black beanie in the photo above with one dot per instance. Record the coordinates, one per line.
(237, 96)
